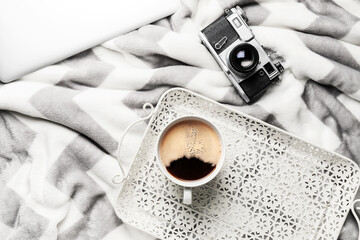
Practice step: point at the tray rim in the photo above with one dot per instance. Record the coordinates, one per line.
(252, 118)
(156, 109)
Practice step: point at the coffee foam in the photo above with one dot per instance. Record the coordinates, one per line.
(190, 138)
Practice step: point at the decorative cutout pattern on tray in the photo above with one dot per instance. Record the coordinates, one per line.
(272, 185)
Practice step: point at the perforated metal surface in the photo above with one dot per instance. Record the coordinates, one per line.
(272, 185)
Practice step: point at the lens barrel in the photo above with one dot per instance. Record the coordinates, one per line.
(244, 58)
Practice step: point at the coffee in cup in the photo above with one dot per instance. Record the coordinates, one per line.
(190, 149)
(190, 152)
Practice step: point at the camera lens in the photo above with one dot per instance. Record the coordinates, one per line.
(244, 58)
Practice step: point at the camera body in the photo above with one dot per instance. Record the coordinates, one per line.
(244, 61)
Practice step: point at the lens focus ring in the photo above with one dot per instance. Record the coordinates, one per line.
(244, 58)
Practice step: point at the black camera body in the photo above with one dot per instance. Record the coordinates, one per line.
(243, 60)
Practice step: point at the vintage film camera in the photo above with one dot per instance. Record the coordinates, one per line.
(244, 61)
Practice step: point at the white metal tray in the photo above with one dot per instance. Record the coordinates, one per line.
(272, 185)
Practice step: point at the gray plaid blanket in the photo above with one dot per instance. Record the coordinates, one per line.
(59, 126)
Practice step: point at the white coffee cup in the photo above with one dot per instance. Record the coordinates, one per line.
(189, 184)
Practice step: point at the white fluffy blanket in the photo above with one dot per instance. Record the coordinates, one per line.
(59, 126)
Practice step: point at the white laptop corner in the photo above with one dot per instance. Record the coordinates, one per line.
(38, 33)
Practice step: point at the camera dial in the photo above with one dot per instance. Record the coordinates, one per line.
(244, 58)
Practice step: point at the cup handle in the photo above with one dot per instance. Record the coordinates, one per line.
(187, 195)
